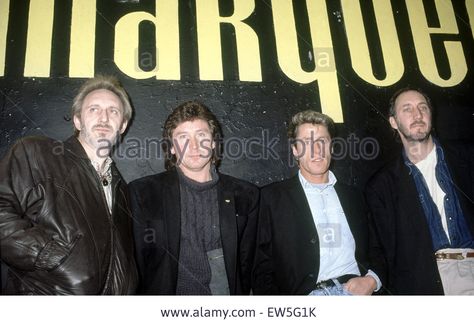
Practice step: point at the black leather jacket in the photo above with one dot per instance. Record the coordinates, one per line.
(56, 233)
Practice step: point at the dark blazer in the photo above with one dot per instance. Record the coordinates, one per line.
(155, 202)
(401, 240)
(287, 257)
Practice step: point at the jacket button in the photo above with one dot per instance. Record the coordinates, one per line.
(311, 275)
(313, 240)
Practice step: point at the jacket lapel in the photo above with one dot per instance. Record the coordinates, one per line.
(228, 227)
(408, 194)
(172, 214)
(307, 233)
(350, 209)
(302, 209)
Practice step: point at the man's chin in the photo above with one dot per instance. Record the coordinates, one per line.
(419, 137)
(104, 143)
(416, 136)
(197, 163)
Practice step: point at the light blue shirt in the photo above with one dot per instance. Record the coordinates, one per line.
(336, 242)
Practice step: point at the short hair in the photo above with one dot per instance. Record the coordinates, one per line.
(393, 99)
(311, 117)
(190, 111)
(99, 82)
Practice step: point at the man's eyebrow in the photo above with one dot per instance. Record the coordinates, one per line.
(314, 138)
(98, 105)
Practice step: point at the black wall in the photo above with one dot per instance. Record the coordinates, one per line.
(41, 106)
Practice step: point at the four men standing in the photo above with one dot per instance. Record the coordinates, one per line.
(66, 225)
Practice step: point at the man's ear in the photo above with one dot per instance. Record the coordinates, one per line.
(393, 123)
(124, 127)
(77, 122)
(295, 151)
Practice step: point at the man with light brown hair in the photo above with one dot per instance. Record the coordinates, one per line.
(65, 226)
(313, 229)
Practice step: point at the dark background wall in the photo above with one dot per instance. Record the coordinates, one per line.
(33, 105)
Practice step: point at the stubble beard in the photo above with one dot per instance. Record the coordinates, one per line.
(101, 144)
(414, 137)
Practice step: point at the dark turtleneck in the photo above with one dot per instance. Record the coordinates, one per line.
(200, 233)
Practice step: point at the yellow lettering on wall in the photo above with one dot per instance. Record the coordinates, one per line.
(288, 54)
(4, 13)
(167, 42)
(470, 13)
(209, 40)
(82, 51)
(39, 38)
(359, 48)
(423, 45)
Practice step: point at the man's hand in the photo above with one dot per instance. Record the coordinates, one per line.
(361, 285)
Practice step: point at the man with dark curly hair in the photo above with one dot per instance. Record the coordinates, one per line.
(194, 227)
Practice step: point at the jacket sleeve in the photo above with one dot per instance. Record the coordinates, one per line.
(247, 250)
(139, 230)
(263, 268)
(24, 244)
(381, 236)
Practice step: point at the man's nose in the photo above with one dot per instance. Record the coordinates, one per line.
(418, 113)
(317, 147)
(193, 143)
(104, 116)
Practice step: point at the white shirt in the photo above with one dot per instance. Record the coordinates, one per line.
(427, 168)
(105, 175)
(336, 243)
